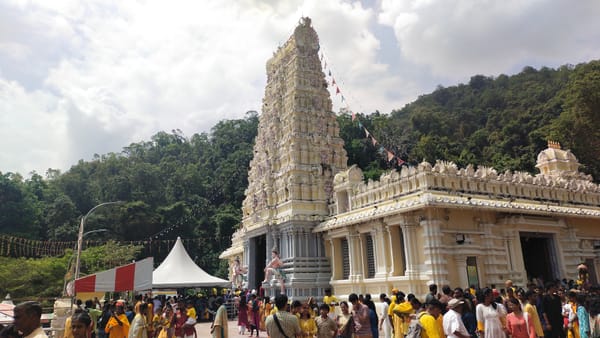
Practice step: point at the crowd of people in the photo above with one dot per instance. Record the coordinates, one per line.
(145, 317)
(552, 311)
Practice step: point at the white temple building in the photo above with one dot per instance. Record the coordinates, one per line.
(433, 223)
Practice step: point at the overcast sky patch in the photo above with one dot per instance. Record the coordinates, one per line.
(84, 78)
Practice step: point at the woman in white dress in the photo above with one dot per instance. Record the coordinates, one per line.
(490, 316)
(344, 319)
(384, 319)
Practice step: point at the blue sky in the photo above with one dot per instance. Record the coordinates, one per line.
(79, 78)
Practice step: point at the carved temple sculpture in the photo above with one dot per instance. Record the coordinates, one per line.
(297, 152)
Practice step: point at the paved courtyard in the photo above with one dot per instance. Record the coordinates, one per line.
(203, 330)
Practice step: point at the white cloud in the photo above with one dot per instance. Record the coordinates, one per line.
(459, 38)
(78, 78)
(33, 130)
(123, 71)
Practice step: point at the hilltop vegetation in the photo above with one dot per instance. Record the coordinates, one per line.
(193, 187)
(501, 122)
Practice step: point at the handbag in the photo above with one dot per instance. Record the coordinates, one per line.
(347, 329)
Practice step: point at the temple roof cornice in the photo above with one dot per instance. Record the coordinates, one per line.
(426, 199)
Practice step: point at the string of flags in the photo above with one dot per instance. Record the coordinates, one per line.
(381, 149)
(183, 220)
(11, 246)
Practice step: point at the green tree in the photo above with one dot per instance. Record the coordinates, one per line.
(577, 125)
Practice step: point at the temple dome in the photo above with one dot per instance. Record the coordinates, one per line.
(555, 161)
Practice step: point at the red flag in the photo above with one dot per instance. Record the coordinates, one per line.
(390, 155)
(400, 162)
(353, 116)
(337, 90)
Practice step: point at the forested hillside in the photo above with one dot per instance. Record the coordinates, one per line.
(502, 122)
(193, 186)
(171, 185)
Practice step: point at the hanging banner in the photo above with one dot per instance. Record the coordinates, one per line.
(130, 277)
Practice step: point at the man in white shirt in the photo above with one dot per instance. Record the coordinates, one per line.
(27, 318)
(453, 325)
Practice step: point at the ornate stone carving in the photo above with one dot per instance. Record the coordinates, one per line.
(297, 131)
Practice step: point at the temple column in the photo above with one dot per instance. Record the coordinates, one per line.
(307, 244)
(355, 257)
(411, 251)
(270, 244)
(335, 266)
(254, 272)
(515, 268)
(381, 250)
(434, 257)
(246, 254)
(568, 253)
(287, 242)
(393, 270)
(461, 267)
(489, 263)
(277, 240)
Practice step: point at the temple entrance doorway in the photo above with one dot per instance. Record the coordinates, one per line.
(539, 256)
(257, 261)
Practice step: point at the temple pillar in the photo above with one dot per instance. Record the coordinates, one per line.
(335, 265)
(382, 252)
(461, 267)
(515, 267)
(396, 267)
(489, 265)
(433, 255)
(355, 256)
(411, 250)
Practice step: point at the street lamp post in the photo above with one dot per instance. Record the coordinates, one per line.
(70, 264)
(80, 236)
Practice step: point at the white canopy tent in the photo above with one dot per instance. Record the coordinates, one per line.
(178, 270)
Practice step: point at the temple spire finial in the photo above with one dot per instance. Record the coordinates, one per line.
(553, 144)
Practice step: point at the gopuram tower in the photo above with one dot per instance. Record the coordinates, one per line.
(297, 152)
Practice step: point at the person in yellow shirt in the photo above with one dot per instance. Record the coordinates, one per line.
(332, 301)
(307, 323)
(157, 322)
(402, 311)
(192, 318)
(393, 294)
(531, 309)
(265, 311)
(573, 326)
(393, 318)
(190, 312)
(430, 327)
(118, 324)
(149, 314)
(68, 333)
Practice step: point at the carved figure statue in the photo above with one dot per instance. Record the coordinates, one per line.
(274, 269)
(583, 276)
(238, 273)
